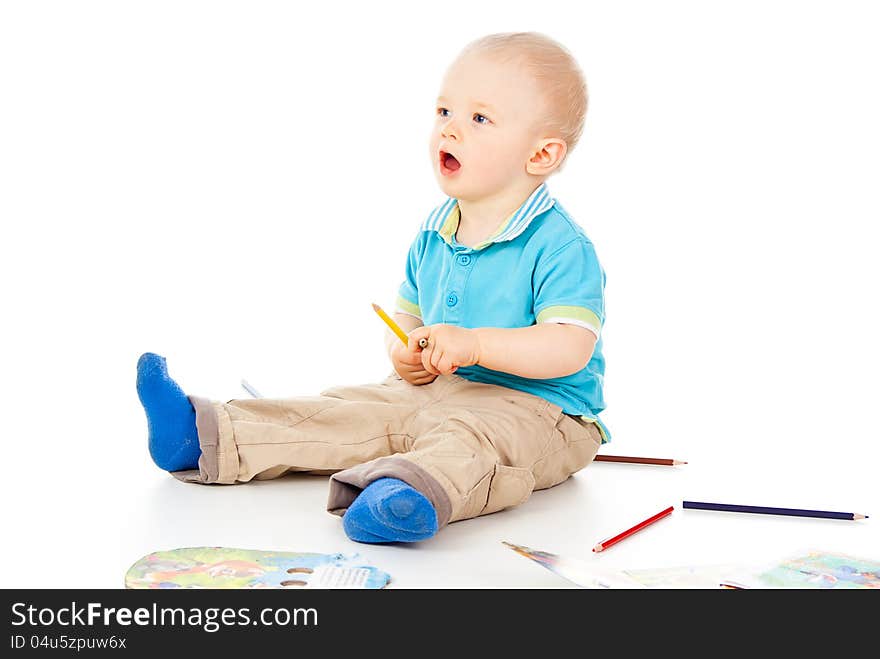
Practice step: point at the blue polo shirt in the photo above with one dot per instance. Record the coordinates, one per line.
(537, 267)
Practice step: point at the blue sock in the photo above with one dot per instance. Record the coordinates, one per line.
(171, 419)
(389, 510)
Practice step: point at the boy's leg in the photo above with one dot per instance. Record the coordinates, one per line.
(470, 448)
(243, 440)
(343, 426)
(480, 448)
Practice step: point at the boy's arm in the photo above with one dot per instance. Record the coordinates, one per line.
(407, 323)
(542, 351)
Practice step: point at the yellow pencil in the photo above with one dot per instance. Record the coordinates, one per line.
(395, 327)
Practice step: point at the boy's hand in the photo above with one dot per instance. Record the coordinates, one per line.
(449, 347)
(408, 364)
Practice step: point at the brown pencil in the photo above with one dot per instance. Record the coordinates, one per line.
(634, 460)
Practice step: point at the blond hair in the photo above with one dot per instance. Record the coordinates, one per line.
(553, 68)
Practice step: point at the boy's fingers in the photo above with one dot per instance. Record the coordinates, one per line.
(415, 369)
(426, 360)
(409, 356)
(437, 360)
(417, 335)
(428, 377)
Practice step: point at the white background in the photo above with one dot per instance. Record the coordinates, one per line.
(231, 184)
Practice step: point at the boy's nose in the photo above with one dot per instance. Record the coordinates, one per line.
(449, 130)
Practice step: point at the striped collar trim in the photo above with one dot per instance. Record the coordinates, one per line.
(445, 218)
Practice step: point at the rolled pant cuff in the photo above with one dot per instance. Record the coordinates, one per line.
(346, 485)
(218, 462)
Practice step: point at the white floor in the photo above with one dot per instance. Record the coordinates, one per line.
(595, 504)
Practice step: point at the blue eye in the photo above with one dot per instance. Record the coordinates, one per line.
(442, 112)
(478, 117)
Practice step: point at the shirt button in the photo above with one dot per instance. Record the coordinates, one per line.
(451, 300)
(464, 259)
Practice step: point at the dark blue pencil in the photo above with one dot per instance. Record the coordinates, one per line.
(733, 508)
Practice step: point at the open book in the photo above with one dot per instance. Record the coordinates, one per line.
(809, 569)
(587, 574)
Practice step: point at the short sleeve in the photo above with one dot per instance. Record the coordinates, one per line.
(569, 287)
(408, 293)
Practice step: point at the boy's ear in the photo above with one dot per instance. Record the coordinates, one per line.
(547, 157)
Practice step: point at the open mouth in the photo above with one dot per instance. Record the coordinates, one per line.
(448, 163)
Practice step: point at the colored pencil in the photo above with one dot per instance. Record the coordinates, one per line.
(799, 512)
(396, 328)
(634, 460)
(605, 544)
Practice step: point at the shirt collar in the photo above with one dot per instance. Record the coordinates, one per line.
(445, 218)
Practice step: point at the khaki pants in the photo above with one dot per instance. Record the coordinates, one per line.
(471, 448)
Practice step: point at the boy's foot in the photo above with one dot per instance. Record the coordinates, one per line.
(389, 510)
(171, 419)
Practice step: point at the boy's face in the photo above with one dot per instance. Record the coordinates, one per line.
(486, 128)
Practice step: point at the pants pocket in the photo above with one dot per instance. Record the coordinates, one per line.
(576, 428)
(583, 440)
(510, 486)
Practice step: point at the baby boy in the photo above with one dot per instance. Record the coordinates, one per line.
(507, 291)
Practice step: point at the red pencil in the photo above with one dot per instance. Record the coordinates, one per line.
(605, 544)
